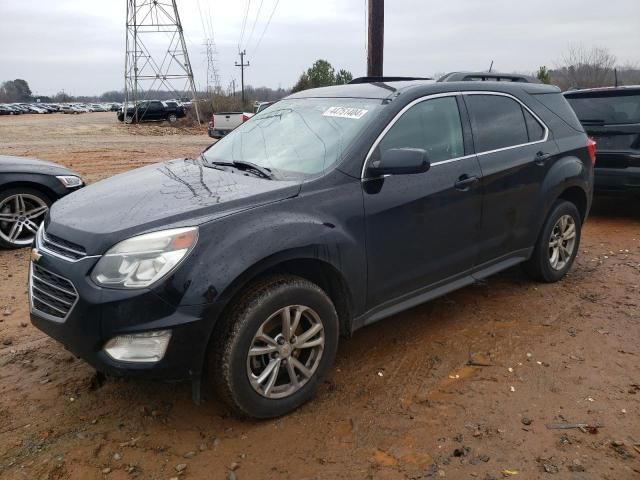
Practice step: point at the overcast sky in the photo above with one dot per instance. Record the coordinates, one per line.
(78, 45)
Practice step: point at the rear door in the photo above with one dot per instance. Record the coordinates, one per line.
(422, 229)
(156, 111)
(515, 150)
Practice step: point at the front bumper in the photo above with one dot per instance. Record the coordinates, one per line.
(100, 314)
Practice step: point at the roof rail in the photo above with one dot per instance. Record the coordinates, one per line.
(385, 79)
(487, 77)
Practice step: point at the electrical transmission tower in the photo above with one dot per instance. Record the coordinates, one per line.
(213, 78)
(156, 53)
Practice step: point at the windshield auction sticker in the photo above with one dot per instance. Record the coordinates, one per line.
(345, 112)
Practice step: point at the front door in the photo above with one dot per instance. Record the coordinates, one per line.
(421, 229)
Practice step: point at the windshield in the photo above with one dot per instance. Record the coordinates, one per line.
(297, 136)
(617, 109)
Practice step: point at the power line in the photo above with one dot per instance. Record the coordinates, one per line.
(205, 33)
(275, 6)
(244, 23)
(255, 21)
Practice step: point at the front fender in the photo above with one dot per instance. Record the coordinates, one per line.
(47, 184)
(234, 249)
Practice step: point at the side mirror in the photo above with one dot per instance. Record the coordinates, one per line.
(399, 161)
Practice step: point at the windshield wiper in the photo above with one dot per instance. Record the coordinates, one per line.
(244, 166)
(264, 171)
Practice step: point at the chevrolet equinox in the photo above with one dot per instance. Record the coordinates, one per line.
(330, 210)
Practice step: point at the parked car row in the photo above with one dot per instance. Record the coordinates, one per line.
(20, 108)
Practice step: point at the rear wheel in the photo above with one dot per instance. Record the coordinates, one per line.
(21, 212)
(557, 245)
(172, 118)
(278, 343)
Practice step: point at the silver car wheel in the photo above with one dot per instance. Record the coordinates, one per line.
(562, 242)
(20, 217)
(285, 351)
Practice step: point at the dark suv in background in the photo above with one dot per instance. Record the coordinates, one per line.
(611, 116)
(330, 210)
(150, 111)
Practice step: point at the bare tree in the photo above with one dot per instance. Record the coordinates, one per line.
(583, 67)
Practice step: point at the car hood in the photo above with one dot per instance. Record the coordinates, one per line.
(9, 164)
(176, 193)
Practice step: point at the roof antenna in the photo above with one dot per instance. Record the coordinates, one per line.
(615, 76)
(491, 66)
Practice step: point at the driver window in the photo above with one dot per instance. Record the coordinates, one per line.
(433, 125)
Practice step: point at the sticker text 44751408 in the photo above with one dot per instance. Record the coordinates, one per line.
(345, 112)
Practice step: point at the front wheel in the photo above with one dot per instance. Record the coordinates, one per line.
(278, 343)
(173, 118)
(557, 245)
(21, 212)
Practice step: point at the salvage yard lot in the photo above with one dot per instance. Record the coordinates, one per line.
(461, 387)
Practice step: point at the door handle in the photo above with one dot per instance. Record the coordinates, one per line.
(542, 157)
(465, 182)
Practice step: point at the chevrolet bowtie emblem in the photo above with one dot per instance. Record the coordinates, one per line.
(35, 255)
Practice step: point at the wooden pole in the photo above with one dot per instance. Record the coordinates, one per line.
(375, 38)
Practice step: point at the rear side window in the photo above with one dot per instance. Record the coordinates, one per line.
(607, 109)
(433, 125)
(559, 105)
(535, 130)
(497, 122)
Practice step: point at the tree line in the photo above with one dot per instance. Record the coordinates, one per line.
(579, 67)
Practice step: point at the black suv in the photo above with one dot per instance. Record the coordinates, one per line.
(611, 116)
(332, 209)
(153, 110)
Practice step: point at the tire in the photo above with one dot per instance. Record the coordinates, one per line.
(541, 265)
(172, 118)
(128, 119)
(236, 374)
(33, 201)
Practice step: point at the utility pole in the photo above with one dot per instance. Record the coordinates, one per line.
(242, 65)
(375, 38)
(156, 56)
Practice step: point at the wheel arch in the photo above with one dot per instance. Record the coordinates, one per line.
(51, 195)
(303, 265)
(578, 197)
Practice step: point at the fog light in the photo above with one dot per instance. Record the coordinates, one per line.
(139, 347)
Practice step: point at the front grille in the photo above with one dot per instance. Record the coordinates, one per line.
(62, 247)
(51, 295)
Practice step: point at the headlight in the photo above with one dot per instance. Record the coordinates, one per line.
(70, 181)
(140, 261)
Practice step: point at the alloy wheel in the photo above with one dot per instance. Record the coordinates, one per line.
(20, 217)
(285, 351)
(562, 242)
